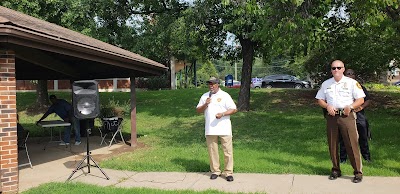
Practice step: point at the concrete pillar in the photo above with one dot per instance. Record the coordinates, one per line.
(55, 85)
(115, 84)
(173, 76)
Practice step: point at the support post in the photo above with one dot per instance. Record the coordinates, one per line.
(173, 76)
(133, 112)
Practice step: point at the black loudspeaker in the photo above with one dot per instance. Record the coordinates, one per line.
(85, 98)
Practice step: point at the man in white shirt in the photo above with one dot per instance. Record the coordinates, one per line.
(340, 95)
(217, 107)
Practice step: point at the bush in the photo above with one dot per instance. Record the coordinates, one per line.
(115, 109)
(157, 82)
(141, 82)
(374, 86)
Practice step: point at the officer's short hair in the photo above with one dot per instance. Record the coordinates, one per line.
(52, 97)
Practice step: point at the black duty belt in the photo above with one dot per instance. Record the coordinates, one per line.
(339, 111)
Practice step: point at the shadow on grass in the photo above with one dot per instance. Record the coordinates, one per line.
(192, 165)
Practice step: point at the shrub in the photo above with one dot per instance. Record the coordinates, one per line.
(115, 109)
(157, 82)
(380, 86)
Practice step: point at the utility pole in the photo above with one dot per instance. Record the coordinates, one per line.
(236, 71)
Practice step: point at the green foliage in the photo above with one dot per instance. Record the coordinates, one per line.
(72, 14)
(150, 28)
(115, 109)
(366, 40)
(309, 34)
(206, 71)
(157, 82)
(381, 87)
(67, 188)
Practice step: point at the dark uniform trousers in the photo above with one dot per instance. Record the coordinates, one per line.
(364, 135)
(348, 130)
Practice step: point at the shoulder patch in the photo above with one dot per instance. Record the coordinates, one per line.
(358, 85)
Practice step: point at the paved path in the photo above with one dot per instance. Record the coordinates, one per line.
(56, 163)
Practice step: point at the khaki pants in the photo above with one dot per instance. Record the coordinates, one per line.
(212, 145)
(348, 130)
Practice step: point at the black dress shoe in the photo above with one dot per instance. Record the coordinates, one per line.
(334, 175)
(357, 178)
(213, 176)
(229, 178)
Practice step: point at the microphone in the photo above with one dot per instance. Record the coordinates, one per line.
(209, 94)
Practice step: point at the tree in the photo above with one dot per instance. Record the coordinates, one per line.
(257, 26)
(71, 14)
(362, 36)
(206, 71)
(215, 19)
(153, 29)
(42, 94)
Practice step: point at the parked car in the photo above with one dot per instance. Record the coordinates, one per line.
(236, 84)
(284, 81)
(256, 84)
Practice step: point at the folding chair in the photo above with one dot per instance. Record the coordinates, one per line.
(22, 139)
(111, 125)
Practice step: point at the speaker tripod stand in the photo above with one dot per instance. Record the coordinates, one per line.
(87, 157)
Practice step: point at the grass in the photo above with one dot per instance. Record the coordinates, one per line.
(283, 133)
(67, 188)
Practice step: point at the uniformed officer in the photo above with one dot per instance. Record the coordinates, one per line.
(340, 95)
(362, 125)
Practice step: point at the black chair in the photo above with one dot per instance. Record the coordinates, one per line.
(111, 125)
(22, 139)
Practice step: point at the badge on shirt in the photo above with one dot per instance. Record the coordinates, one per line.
(358, 85)
(219, 99)
(345, 86)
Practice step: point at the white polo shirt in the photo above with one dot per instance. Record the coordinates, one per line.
(340, 94)
(220, 102)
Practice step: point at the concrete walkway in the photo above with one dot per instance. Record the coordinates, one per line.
(56, 163)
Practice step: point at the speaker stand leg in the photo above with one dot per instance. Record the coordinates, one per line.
(87, 157)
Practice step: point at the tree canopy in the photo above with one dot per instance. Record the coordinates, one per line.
(306, 34)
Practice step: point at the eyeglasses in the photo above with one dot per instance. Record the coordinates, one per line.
(350, 74)
(334, 68)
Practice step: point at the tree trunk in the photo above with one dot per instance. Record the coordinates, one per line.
(248, 58)
(42, 94)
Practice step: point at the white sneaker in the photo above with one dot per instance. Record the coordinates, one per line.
(63, 144)
(78, 143)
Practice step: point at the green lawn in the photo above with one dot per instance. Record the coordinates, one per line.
(68, 188)
(283, 133)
